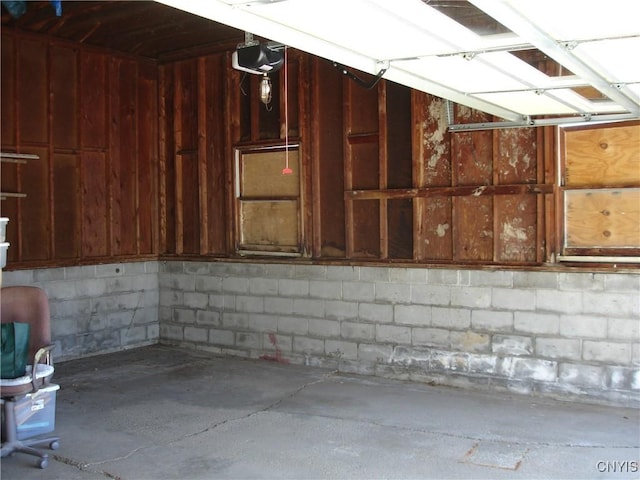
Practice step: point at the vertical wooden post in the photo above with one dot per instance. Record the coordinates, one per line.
(162, 159)
(348, 166)
(178, 145)
(383, 158)
(202, 156)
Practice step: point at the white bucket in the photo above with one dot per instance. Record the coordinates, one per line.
(3, 254)
(3, 228)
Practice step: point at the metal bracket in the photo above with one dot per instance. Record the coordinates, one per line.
(358, 80)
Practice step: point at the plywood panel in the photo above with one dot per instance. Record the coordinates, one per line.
(366, 228)
(472, 152)
(603, 156)
(362, 109)
(270, 223)
(473, 228)
(64, 94)
(400, 228)
(7, 91)
(35, 209)
(188, 202)
(432, 168)
(123, 157)
(261, 174)
(328, 170)
(398, 141)
(214, 153)
(516, 217)
(32, 91)
(399, 169)
(66, 238)
(431, 141)
(93, 94)
(95, 233)
(92, 117)
(167, 160)
(187, 158)
(147, 145)
(603, 218)
(472, 162)
(365, 166)
(434, 230)
(186, 98)
(516, 155)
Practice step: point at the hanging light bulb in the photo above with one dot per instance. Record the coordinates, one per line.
(265, 90)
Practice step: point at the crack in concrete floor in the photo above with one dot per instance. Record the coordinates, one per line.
(85, 467)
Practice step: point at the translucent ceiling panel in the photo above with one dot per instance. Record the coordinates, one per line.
(580, 19)
(379, 30)
(569, 30)
(511, 58)
(529, 102)
(557, 102)
(635, 89)
(617, 58)
(464, 75)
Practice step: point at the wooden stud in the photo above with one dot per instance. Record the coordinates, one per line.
(383, 166)
(202, 159)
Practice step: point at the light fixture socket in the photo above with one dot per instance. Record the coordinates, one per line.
(265, 89)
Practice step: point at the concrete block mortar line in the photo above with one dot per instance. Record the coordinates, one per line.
(135, 310)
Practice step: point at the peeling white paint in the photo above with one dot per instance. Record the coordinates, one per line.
(515, 155)
(511, 232)
(465, 113)
(434, 141)
(441, 229)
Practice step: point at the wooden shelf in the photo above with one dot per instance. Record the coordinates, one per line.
(5, 195)
(17, 157)
(21, 158)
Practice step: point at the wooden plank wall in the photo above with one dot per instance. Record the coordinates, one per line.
(137, 160)
(194, 171)
(469, 197)
(91, 117)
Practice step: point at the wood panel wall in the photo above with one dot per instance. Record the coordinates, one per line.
(91, 117)
(441, 197)
(137, 160)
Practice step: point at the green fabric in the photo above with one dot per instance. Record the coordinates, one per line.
(14, 349)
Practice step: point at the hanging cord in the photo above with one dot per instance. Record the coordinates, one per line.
(286, 170)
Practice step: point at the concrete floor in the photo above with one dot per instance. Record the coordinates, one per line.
(164, 413)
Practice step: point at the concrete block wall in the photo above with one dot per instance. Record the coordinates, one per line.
(565, 335)
(98, 308)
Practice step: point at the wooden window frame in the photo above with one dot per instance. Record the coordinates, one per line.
(252, 204)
